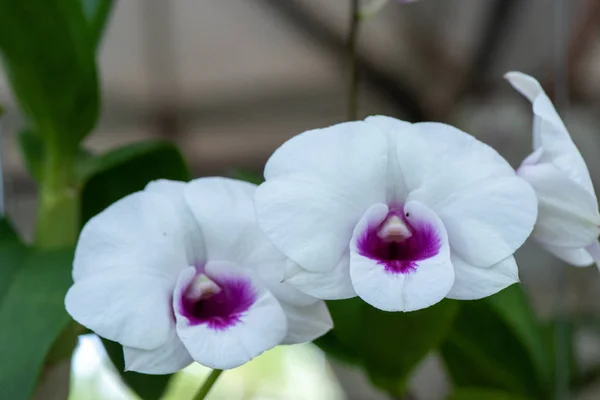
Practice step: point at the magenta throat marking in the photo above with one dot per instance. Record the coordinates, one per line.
(221, 310)
(400, 257)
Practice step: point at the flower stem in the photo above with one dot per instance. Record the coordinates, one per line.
(58, 205)
(352, 43)
(208, 384)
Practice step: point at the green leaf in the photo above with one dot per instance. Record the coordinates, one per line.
(33, 152)
(147, 387)
(388, 345)
(248, 176)
(484, 394)
(32, 149)
(97, 13)
(111, 176)
(49, 59)
(32, 315)
(7, 232)
(12, 255)
(488, 347)
(514, 308)
(342, 341)
(97, 164)
(394, 343)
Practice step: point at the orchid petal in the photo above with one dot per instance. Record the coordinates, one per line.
(425, 281)
(438, 160)
(576, 257)
(259, 328)
(169, 358)
(225, 210)
(331, 285)
(488, 222)
(175, 191)
(132, 309)
(307, 323)
(143, 232)
(550, 133)
(319, 183)
(473, 283)
(568, 214)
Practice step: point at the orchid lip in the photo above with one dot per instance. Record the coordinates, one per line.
(397, 243)
(218, 303)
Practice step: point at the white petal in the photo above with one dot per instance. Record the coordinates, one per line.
(568, 214)
(568, 210)
(472, 283)
(134, 310)
(438, 160)
(143, 232)
(307, 323)
(318, 185)
(169, 358)
(387, 124)
(174, 190)
(594, 251)
(336, 154)
(450, 171)
(224, 210)
(488, 222)
(329, 285)
(396, 180)
(429, 281)
(224, 207)
(534, 158)
(550, 132)
(262, 327)
(272, 276)
(577, 257)
(282, 289)
(270, 264)
(305, 222)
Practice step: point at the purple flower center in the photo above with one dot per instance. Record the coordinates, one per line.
(220, 303)
(398, 243)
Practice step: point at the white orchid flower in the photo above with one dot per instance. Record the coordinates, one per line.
(180, 273)
(568, 223)
(399, 214)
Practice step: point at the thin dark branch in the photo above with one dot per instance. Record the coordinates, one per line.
(498, 19)
(352, 43)
(583, 36)
(161, 64)
(312, 27)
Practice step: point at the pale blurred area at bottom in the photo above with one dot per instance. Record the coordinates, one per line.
(298, 372)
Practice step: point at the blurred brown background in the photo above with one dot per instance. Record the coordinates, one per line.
(230, 80)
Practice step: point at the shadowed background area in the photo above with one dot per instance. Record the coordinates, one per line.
(229, 81)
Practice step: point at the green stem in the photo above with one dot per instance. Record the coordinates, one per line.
(57, 227)
(562, 358)
(352, 43)
(58, 209)
(208, 384)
